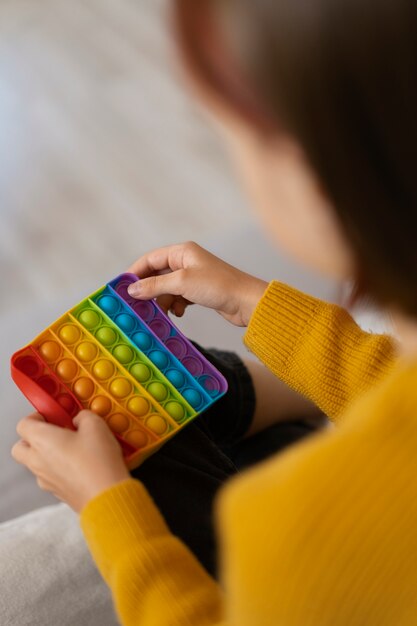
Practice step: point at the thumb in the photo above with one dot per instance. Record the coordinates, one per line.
(154, 286)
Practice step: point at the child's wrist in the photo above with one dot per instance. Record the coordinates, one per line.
(253, 295)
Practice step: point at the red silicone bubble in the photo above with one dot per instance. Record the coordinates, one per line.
(49, 385)
(68, 404)
(29, 365)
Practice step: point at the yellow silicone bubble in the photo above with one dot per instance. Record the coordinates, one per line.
(138, 406)
(175, 410)
(158, 391)
(123, 354)
(103, 369)
(86, 351)
(157, 424)
(120, 387)
(50, 351)
(136, 438)
(69, 334)
(67, 369)
(101, 405)
(89, 319)
(84, 388)
(118, 422)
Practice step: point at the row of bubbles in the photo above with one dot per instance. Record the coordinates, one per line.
(182, 349)
(139, 335)
(160, 358)
(104, 370)
(88, 393)
(91, 372)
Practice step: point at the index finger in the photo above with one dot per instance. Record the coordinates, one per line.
(158, 260)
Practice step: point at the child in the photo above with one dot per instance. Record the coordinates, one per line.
(316, 101)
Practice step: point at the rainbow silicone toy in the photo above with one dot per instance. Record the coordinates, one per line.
(125, 360)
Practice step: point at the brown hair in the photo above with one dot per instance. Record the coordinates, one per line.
(341, 76)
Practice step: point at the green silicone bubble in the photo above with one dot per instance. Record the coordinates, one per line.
(89, 319)
(175, 410)
(158, 391)
(141, 372)
(106, 336)
(123, 354)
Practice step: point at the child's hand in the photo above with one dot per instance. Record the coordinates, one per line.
(73, 465)
(187, 274)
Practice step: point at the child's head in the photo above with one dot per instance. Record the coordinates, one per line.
(318, 100)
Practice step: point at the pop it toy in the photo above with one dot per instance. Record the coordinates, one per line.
(125, 360)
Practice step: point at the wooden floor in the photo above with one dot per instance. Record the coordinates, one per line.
(102, 156)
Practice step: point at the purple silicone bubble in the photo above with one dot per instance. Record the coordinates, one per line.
(193, 365)
(161, 328)
(144, 309)
(177, 346)
(122, 289)
(210, 384)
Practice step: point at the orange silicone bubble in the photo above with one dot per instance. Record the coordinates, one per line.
(50, 351)
(118, 422)
(67, 369)
(101, 405)
(84, 388)
(136, 438)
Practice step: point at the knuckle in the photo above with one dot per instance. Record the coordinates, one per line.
(191, 246)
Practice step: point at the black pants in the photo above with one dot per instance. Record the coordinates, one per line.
(185, 475)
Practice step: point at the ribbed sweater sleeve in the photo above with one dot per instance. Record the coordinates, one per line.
(154, 578)
(317, 348)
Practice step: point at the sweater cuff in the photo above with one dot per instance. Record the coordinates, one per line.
(278, 323)
(117, 519)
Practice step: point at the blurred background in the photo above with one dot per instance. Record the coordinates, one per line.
(103, 157)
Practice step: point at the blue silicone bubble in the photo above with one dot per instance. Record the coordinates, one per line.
(175, 377)
(193, 397)
(126, 322)
(109, 304)
(159, 358)
(142, 340)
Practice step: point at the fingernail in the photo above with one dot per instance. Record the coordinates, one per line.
(134, 289)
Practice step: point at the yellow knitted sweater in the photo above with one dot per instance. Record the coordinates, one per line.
(324, 534)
